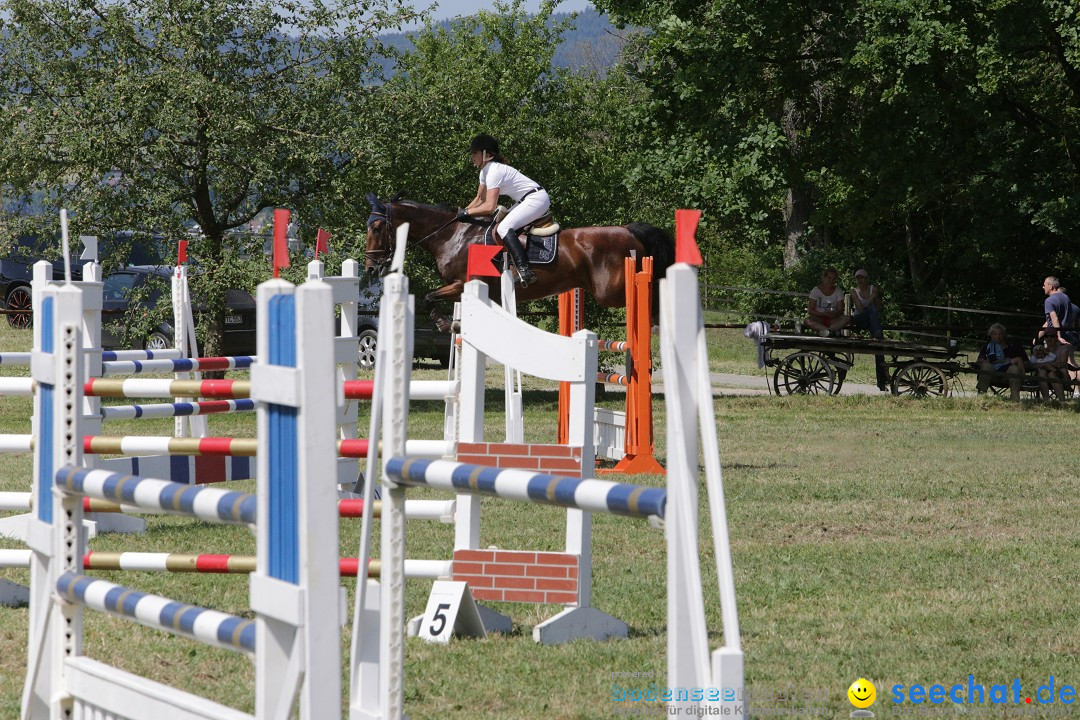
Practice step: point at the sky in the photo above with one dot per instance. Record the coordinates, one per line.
(453, 8)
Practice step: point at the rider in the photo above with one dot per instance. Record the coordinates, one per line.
(497, 178)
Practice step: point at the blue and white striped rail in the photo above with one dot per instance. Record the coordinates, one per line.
(179, 409)
(203, 502)
(590, 495)
(136, 367)
(110, 355)
(208, 626)
(15, 359)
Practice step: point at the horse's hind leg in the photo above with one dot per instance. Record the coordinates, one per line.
(452, 293)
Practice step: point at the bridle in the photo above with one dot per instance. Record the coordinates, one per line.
(381, 257)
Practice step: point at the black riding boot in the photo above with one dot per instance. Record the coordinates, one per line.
(520, 258)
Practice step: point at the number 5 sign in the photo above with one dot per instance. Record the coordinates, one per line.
(450, 611)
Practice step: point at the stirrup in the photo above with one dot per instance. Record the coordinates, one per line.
(526, 276)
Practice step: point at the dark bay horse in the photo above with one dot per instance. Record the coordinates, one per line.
(588, 257)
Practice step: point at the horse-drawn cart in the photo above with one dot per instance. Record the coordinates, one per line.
(811, 365)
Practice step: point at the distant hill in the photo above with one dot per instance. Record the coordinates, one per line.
(592, 44)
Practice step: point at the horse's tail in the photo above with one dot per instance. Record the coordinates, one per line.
(660, 247)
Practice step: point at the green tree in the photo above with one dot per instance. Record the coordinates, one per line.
(159, 115)
(492, 72)
(933, 138)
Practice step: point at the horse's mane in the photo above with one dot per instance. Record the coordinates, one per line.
(442, 207)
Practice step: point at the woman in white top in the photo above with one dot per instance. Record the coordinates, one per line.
(825, 311)
(497, 178)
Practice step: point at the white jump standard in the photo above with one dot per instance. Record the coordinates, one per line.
(378, 676)
(294, 636)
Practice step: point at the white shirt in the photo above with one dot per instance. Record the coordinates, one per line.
(864, 302)
(828, 302)
(509, 181)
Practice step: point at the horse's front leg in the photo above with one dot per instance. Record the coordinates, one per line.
(452, 293)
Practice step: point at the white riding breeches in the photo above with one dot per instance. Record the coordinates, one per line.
(530, 208)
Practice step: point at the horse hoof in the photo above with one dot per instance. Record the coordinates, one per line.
(441, 323)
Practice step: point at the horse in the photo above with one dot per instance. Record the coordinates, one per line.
(588, 257)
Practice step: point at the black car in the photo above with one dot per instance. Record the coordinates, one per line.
(118, 287)
(428, 342)
(16, 274)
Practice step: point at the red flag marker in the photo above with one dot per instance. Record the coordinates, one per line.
(281, 243)
(482, 260)
(181, 254)
(686, 249)
(322, 243)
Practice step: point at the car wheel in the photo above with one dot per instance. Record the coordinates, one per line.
(20, 308)
(157, 341)
(368, 341)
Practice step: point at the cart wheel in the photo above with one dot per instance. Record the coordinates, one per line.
(804, 373)
(919, 379)
(20, 308)
(840, 375)
(840, 364)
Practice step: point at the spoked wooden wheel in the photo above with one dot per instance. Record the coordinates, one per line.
(840, 363)
(804, 373)
(919, 379)
(20, 308)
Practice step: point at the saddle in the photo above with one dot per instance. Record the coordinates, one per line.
(542, 244)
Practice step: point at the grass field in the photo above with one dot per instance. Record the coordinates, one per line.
(901, 541)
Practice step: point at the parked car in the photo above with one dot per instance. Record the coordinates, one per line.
(428, 342)
(16, 274)
(239, 336)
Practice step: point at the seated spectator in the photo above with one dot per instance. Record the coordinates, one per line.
(998, 357)
(1050, 362)
(866, 315)
(825, 310)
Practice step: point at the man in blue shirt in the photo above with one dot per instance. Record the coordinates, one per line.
(1061, 313)
(1057, 306)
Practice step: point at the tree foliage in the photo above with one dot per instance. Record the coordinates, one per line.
(161, 115)
(492, 72)
(934, 139)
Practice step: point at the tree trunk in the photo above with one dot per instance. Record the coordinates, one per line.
(910, 242)
(797, 209)
(211, 299)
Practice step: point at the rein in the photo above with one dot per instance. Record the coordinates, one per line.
(375, 215)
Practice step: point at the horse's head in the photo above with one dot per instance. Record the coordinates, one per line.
(380, 237)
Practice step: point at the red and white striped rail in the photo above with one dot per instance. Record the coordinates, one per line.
(232, 447)
(219, 564)
(147, 387)
(208, 563)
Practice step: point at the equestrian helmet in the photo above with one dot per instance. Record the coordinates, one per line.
(484, 141)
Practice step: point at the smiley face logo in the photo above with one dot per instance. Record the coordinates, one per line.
(862, 693)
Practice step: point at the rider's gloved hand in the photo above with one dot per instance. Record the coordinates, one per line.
(463, 214)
